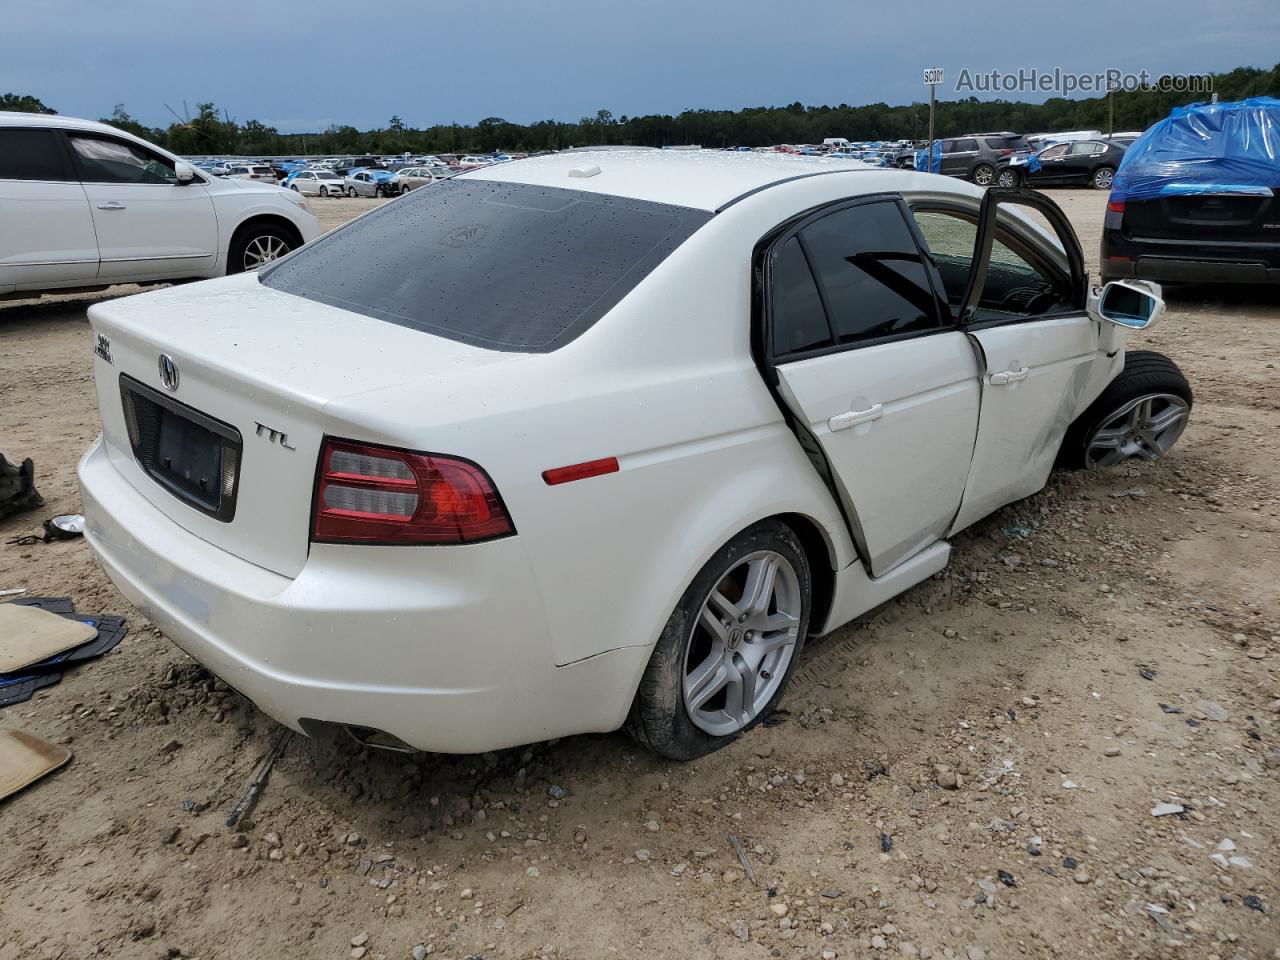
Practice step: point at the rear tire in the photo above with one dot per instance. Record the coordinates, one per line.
(722, 663)
(984, 174)
(1102, 178)
(1140, 415)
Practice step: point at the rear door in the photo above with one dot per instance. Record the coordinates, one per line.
(46, 229)
(963, 155)
(882, 388)
(1019, 294)
(148, 224)
(1077, 166)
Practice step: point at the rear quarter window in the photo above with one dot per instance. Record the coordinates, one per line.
(505, 266)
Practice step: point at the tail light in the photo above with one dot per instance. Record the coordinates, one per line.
(371, 494)
(1005, 152)
(1115, 206)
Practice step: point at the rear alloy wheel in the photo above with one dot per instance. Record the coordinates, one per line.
(729, 647)
(256, 246)
(1139, 416)
(1103, 177)
(984, 174)
(1007, 178)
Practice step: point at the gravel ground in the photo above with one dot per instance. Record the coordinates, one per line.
(974, 771)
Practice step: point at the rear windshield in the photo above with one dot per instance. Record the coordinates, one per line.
(506, 266)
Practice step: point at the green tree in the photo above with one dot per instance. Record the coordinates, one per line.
(22, 103)
(120, 119)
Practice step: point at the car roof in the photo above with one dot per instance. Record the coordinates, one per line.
(701, 179)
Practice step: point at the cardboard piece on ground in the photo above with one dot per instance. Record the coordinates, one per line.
(29, 635)
(24, 759)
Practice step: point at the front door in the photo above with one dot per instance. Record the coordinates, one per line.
(1021, 299)
(149, 225)
(46, 229)
(882, 386)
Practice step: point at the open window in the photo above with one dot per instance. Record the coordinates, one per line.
(996, 267)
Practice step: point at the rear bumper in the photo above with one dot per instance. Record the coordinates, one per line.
(443, 647)
(1190, 260)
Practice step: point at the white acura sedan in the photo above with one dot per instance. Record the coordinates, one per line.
(579, 443)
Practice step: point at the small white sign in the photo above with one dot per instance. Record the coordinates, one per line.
(932, 75)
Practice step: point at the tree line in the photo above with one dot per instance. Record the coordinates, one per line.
(211, 131)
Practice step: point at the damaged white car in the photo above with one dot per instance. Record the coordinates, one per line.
(572, 444)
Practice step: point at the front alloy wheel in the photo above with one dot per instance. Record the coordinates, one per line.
(1007, 178)
(1146, 428)
(263, 249)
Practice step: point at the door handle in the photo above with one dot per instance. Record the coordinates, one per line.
(1009, 376)
(111, 205)
(843, 421)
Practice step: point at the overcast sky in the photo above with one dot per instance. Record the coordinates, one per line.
(300, 65)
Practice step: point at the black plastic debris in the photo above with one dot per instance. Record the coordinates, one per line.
(1146, 673)
(1069, 863)
(1005, 877)
(1168, 709)
(1255, 903)
(874, 769)
(886, 843)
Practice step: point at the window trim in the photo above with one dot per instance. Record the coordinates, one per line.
(772, 242)
(59, 134)
(961, 206)
(98, 135)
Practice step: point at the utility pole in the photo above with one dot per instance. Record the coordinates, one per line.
(932, 77)
(1111, 112)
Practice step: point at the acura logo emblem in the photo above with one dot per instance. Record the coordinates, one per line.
(168, 372)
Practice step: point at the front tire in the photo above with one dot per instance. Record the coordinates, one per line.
(729, 648)
(294, 188)
(1102, 178)
(1008, 178)
(256, 245)
(324, 191)
(1140, 415)
(984, 174)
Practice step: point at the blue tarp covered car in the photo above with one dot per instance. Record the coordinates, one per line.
(1197, 198)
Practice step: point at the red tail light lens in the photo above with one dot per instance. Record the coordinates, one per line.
(371, 494)
(1005, 151)
(1115, 206)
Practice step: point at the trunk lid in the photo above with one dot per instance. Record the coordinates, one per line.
(260, 364)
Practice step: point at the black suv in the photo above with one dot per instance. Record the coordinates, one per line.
(1203, 238)
(980, 156)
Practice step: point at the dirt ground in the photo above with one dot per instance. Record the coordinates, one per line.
(971, 773)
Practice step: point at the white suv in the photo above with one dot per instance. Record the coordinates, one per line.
(85, 205)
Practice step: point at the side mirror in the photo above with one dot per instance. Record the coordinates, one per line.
(1134, 304)
(184, 172)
